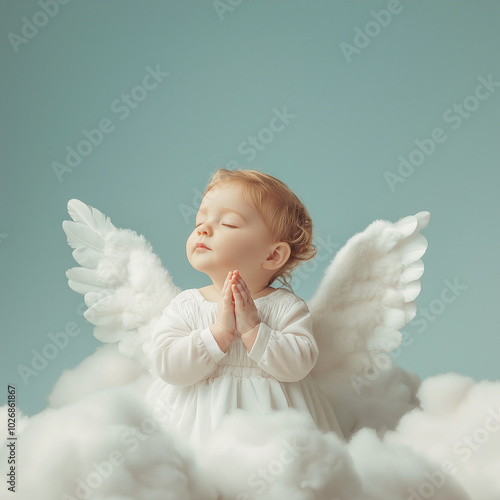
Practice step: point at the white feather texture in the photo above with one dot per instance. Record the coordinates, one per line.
(124, 284)
(367, 295)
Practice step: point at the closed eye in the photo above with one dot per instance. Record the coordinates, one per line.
(227, 225)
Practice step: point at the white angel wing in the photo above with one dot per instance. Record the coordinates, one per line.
(367, 295)
(124, 284)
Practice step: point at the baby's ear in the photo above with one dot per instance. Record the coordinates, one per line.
(279, 255)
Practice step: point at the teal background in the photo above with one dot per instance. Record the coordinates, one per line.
(226, 76)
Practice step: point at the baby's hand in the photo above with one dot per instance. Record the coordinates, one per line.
(225, 322)
(225, 309)
(246, 312)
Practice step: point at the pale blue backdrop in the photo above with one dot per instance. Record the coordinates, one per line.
(355, 86)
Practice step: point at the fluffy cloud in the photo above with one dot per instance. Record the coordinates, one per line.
(457, 429)
(105, 368)
(439, 440)
(106, 445)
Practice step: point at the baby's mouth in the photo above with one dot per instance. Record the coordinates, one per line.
(201, 247)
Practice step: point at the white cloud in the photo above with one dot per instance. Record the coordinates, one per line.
(107, 445)
(459, 423)
(106, 367)
(438, 440)
(279, 456)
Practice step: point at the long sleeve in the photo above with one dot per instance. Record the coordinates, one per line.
(290, 354)
(183, 356)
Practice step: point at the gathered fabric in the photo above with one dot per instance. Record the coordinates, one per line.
(197, 384)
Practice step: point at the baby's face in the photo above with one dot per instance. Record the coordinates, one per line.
(232, 230)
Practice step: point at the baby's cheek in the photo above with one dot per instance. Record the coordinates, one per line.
(191, 239)
(246, 248)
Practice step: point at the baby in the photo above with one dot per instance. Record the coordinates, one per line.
(240, 343)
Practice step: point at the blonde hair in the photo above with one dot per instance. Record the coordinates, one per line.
(284, 214)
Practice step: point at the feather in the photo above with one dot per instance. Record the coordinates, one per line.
(411, 290)
(82, 236)
(83, 288)
(413, 272)
(84, 276)
(89, 216)
(87, 257)
(407, 225)
(423, 220)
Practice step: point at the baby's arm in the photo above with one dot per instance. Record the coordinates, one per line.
(221, 336)
(180, 355)
(290, 354)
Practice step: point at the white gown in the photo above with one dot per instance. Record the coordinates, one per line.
(197, 384)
